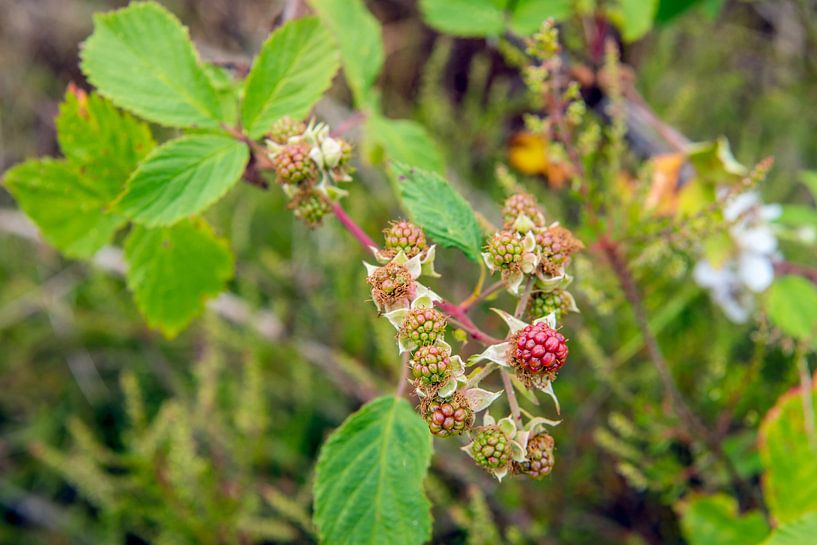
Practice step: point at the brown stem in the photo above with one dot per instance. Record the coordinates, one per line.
(678, 404)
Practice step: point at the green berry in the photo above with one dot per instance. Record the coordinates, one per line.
(505, 249)
(431, 364)
(491, 448)
(286, 128)
(423, 326)
(543, 303)
(311, 208)
(403, 235)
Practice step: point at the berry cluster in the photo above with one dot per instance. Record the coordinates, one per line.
(557, 302)
(538, 348)
(522, 204)
(404, 236)
(307, 163)
(392, 285)
(555, 246)
(447, 416)
(423, 326)
(491, 448)
(431, 365)
(540, 459)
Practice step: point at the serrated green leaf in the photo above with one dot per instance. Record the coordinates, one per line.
(142, 59)
(182, 177)
(361, 45)
(465, 17)
(442, 212)
(528, 15)
(228, 89)
(66, 206)
(403, 141)
(792, 306)
(172, 271)
(633, 17)
(790, 461)
(369, 479)
(799, 532)
(293, 69)
(104, 143)
(706, 520)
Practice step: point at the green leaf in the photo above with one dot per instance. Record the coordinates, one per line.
(465, 17)
(101, 141)
(294, 68)
(670, 9)
(633, 17)
(183, 177)
(798, 532)
(404, 141)
(706, 520)
(369, 479)
(798, 215)
(173, 270)
(790, 461)
(528, 15)
(361, 45)
(792, 306)
(714, 163)
(442, 212)
(228, 90)
(67, 207)
(141, 58)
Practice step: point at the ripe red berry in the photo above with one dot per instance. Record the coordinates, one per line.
(431, 364)
(406, 236)
(293, 164)
(423, 326)
(538, 348)
(491, 448)
(448, 416)
(540, 457)
(522, 204)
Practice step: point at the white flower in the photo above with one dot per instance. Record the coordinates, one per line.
(750, 268)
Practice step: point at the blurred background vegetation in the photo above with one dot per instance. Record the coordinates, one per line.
(111, 434)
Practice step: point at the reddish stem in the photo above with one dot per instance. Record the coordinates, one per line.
(457, 312)
(353, 227)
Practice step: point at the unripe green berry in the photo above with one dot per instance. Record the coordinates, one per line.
(286, 128)
(403, 235)
(543, 303)
(311, 208)
(505, 249)
(423, 326)
(431, 364)
(491, 448)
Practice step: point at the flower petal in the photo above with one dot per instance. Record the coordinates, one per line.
(549, 320)
(548, 389)
(489, 262)
(514, 324)
(497, 353)
(396, 317)
(479, 399)
(488, 420)
(427, 262)
(508, 426)
(370, 269)
(448, 388)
